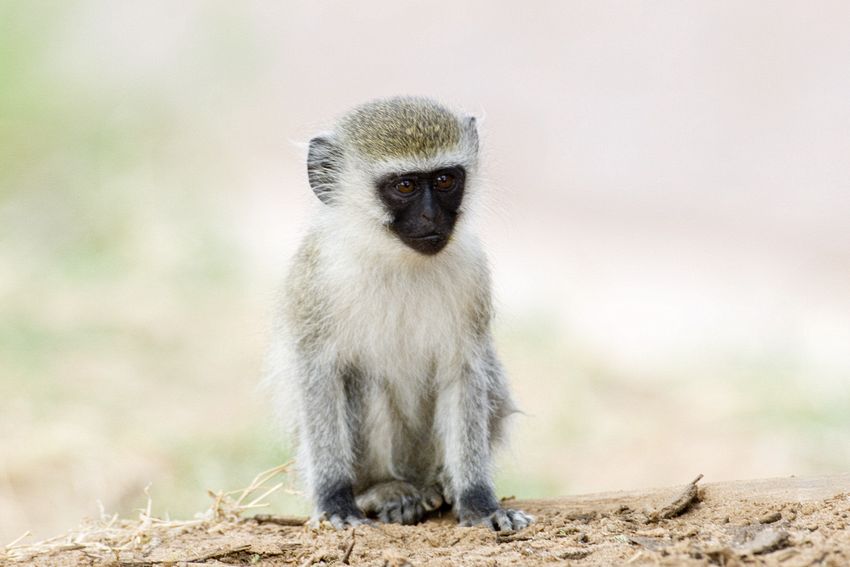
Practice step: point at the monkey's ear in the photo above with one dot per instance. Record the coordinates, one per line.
(471, 128)
(324, 165)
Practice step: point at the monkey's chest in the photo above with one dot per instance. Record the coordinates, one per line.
(398, 335)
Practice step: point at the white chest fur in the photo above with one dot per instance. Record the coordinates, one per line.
(393, 320)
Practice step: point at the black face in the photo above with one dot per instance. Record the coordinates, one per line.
(424, 205)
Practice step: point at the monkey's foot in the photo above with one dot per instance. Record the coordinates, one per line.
(399, 502)
(337, 506)
(340, 521)
(502, 520)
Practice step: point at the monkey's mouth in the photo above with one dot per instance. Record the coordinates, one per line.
(428, 244)
(434, 237)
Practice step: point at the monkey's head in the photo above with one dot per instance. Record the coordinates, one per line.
(402, 164)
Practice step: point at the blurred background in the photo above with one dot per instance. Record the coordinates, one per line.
(668, 223)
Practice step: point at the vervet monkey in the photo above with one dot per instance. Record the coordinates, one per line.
(384, 349)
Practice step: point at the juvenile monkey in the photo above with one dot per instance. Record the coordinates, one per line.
(384, 348)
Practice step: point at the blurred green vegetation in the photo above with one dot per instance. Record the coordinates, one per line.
(121, 288)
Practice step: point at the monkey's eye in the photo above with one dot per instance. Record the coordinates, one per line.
(404, 186)
(444, 182)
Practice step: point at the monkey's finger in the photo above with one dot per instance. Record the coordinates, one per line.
(519, 519)
(337, 521)
(391, 513)
(361, 522)
(409, 500)
(501, 522)
(412, 512)
(341, 523)
(448, 498)
(431, 499)
(366, 504)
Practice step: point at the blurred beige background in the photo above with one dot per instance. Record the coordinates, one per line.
(669, 227)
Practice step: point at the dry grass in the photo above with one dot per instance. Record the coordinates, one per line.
(121, 540)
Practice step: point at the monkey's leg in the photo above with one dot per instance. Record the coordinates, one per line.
(329, 419)
(466, 433)
(399, 502)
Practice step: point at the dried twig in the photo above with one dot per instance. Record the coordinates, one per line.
(350, 548)
(18, 540)
(678, 505)
(198, 558)
(506, 537)
(294, 521)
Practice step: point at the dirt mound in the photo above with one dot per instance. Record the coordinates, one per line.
(784, 522)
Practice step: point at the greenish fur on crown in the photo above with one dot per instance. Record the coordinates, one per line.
(401, 127)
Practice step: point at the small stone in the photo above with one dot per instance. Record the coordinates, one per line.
(396, 561)
(767, 540)
(574, 553)
(770, 517)
(656, 532)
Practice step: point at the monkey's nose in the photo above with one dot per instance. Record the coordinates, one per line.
(429, 209)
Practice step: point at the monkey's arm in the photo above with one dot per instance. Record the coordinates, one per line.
(327, 421)
(471, 416)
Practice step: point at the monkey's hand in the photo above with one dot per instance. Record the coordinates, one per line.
(478, 506)
(502, 520)
(338, 508)
(343, 521)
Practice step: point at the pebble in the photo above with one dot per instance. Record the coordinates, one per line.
(770, 518)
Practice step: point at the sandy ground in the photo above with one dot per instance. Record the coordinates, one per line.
(786, 522)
